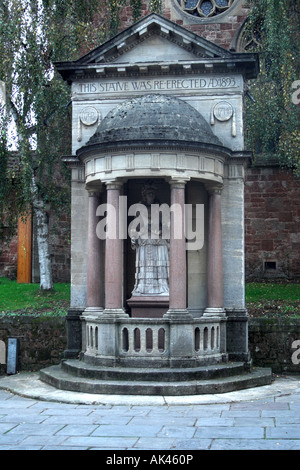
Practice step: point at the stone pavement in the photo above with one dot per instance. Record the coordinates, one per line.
(35, 416)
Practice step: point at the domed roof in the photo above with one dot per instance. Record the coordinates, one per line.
(154, 118)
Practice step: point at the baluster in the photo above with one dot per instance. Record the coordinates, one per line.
(209, 338)
(167, 339)
(87, 337)
(143, 340)
(130, 340)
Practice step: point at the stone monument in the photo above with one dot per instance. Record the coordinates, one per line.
(170, 314)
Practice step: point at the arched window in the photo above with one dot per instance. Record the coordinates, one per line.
(205, 8)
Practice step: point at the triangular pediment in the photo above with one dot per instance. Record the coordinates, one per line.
(153, 38)
(154, 47)
(154, 44)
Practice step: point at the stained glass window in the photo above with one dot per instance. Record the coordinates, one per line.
(205, 8)
(221, 3)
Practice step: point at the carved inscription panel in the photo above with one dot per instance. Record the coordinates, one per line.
(186, 84)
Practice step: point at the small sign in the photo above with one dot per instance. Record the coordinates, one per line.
(12, 356)
(2, 94)
(2, 353)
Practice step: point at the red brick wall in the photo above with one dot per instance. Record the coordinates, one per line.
(8, 260)
(220, 29)
(272, 223)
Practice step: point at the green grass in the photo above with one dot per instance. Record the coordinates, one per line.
(273, 299)
(262, 299)
(256, 292)
(28, 298)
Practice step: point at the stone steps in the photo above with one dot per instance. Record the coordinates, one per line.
(197, 381)
(164, 374)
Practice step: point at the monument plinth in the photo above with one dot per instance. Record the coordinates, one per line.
(160, 299)
(150, 306)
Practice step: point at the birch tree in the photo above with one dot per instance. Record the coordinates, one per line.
(35, 120)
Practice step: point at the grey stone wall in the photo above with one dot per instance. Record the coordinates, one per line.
(42, 341)
(271, 343)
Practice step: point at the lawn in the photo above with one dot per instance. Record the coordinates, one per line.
(27, 298)
(273, 299)
(262, 299)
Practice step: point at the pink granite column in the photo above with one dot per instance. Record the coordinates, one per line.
(214, 255)
(113, 253)
(177, 276)
(94, 259)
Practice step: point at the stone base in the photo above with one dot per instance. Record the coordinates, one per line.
(80, 377)
(151, 306)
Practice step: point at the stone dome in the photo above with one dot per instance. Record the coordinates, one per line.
(154, 118)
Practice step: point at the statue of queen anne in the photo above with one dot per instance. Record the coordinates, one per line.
(152, 251)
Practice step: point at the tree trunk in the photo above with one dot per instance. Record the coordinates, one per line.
(42, 224)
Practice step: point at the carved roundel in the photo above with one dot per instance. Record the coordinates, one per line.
(205, 8)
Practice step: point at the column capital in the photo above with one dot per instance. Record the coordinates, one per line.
(114, 184)
(94, 190)
(93, 193)
(214, 188)
(178, 182)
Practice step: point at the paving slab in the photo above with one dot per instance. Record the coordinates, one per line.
(34, 416)
(29, 385)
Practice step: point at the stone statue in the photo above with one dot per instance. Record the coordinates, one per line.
(152, 253)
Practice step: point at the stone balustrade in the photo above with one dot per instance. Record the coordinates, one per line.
(142, 341)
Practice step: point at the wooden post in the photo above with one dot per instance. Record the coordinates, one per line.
(24, 272)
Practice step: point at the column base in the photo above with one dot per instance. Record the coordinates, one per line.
(178, 314)
(115, 312)
(214, 312)
(93, 311)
